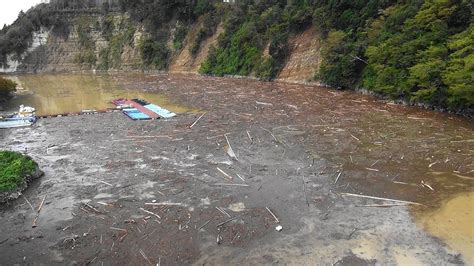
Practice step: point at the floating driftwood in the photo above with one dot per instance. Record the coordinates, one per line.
(152, 213)
(304, 190)
(228, 149)
(202, 226)
(263, 103)
(223, 211)
(337, 178)
(224, 173)
(356, 138)
(227, 221)
(164, 204)
(274, 216)
(231, 184)
(382, 205)
(273, 136)
(145, 257)
(197, 120)
(250, 138)
(38, 212)
(378, 198)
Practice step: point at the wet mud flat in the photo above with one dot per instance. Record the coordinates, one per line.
(147, 192)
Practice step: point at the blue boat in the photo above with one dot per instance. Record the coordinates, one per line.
(15, 123)
(160, 111)
(23, 118)
(135, 114)
(31, 119)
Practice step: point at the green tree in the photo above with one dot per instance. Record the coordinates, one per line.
(459, 74)
(6, 87)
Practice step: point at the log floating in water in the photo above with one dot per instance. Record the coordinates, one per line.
(378, 198)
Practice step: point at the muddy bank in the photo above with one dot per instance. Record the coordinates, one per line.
(291, 141)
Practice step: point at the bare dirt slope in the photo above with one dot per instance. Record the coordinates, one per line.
(304, 57)
(185, 61)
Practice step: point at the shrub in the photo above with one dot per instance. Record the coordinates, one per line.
(154, 54)
(179, 36)
(6, 86)
(200, 36)
(13, 168)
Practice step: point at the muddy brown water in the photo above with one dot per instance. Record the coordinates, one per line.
(61, 94)
(382, 149)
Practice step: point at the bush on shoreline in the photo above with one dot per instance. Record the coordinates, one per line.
(6, 87)
(14, 167)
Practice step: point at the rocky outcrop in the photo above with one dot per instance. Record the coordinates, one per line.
(69, 54)
(52, 53)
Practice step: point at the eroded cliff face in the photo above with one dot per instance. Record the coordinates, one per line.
(87, 48)
(305, 57)
(184, 62)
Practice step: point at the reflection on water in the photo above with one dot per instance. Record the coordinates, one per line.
(453, 222)
(57, 94)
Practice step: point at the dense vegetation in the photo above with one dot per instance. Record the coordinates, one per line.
(14, 167)
(6, 87)
(420, 51)
(414, 50)
(16, 38)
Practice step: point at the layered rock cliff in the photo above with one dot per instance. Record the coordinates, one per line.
(87, 48)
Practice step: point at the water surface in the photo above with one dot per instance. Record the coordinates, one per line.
(66, 93)
(383, 150)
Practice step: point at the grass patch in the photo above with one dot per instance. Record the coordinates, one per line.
(14, 167)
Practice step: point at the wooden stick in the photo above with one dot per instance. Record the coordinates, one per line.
(197, 120)
(250, 138)
(231, 184)
(202, 226)
(152, 213)
(304, 190)
(274, 216)
(263, 103)
(337, 178)
(382, 205)
(41, 205)
(224, 173)
(355, 137)
(231, 219)
(38, 212)
(241, 178)
(378, 198)
(145, 257)
(273, 136)
(108, 184)
(27, 201)
(118, 229)
(230, 151)
(164, 204)
(92, 208)
(372, 169)
(222, 211)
